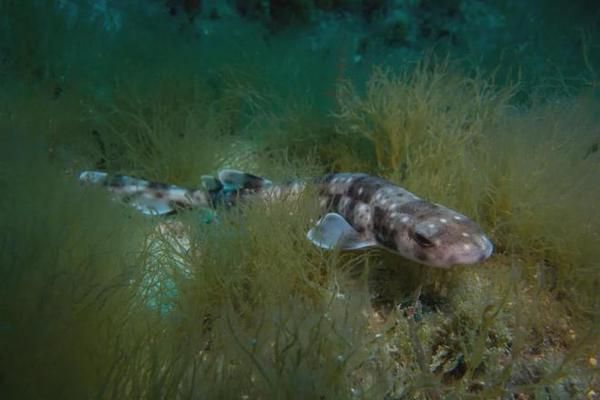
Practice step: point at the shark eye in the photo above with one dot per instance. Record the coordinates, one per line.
(422, 240)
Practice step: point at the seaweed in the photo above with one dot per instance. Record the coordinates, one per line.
(97, 301)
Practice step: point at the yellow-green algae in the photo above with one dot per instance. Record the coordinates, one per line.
(259, 312)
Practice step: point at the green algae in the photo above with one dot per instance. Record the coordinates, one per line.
(96, 303)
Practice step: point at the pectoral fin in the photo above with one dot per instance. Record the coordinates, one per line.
(333, 231)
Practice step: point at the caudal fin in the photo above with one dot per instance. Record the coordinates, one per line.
(150, 198)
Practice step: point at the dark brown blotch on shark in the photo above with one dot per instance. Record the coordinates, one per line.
(363, 188)
(116, 181)
(158, 186)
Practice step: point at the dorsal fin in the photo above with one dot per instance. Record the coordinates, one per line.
(210, 183)
(242, 180)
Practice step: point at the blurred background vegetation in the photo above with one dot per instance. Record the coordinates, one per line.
(489, 107)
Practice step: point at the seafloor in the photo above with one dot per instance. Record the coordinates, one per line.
(489, 107)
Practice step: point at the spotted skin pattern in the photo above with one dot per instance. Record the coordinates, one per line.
(147, 195)
(379, 211)
(399, 221)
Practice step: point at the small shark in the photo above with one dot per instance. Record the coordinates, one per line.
(359, 211)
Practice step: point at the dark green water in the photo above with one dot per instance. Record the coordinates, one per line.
(489, 107)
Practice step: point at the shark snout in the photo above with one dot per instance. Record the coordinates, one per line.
(477, 250)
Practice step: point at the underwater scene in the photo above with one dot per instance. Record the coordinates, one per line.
(302, 199)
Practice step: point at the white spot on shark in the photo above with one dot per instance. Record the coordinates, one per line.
(363, 208)
(297, 188)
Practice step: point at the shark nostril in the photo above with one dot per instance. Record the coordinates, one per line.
(422, 240)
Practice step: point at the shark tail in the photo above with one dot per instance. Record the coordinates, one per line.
(150, 198)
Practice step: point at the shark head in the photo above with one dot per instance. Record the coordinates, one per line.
(438, 236)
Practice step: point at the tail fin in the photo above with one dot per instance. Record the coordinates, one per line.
(150, 198)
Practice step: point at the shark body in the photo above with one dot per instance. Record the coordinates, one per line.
(359, 211)
(369, 211)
